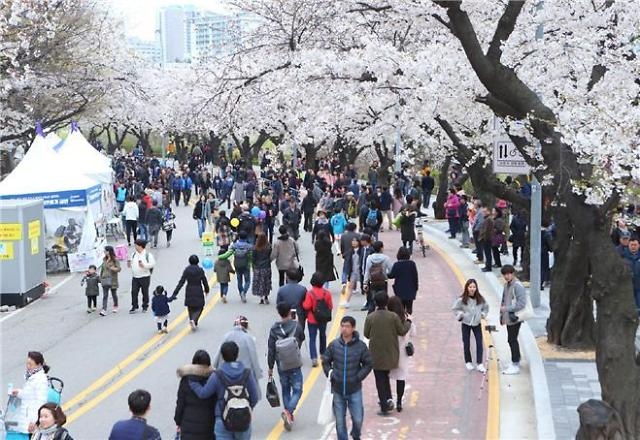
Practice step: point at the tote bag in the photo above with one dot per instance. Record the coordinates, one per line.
(325, 414)
(527, 312)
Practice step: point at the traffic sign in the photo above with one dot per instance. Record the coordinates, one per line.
(507, 159)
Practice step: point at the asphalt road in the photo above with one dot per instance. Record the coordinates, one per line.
(102, 359)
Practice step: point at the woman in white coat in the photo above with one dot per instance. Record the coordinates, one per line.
(32, 396)
(401, 373)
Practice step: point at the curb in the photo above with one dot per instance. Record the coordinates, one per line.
(544, 419)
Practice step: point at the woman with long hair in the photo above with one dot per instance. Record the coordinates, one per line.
(324, 257)
(470, 309)
(109, 279)
(262, 268)
(401, 373)
(194, 417)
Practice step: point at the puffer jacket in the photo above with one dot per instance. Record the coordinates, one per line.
(471, 312)
(33, 395)
(350, 363)
(110, 268)
(193, 415)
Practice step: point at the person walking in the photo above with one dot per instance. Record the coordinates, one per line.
(223, 230)
(200, 214)
(285, 339)
(262, 268)
(223, 270)
(308, 207)
(291, 219)
(242, 252)
(169, 223)
(32, 396)
(194, 417)
(514, 299)
(382, 327)
(401, 373)
(348, 360)
(285, 254)
(197, 287)
(316, 299)
(131, 214)
(470, 309)
(50, 423)
(428, 183)
(324, 258)
(376, 269)
(109, 279)
(136, 427)
(294, 294)
(143, 230)
(155, 220)
(408, 227)
(405, 275)
(141, 263)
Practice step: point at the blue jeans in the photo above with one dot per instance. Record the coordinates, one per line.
(244, 280)
(291, 383)
(201, 226)
(352, 401)
(222, 434)
(313, 332)
(144, 231)
(345, 274)
(224, 288)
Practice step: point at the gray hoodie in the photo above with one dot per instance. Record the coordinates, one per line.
(514, 298)
(374, 259)
(471, 312)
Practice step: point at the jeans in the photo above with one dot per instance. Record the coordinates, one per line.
(383, 386)
(244, 280)
(512, 338)
(105, 297)
(466, 339)
(222, 434)
(453, 226)
(345, 274)
(224, 288)
(138, 284)
(131, 226)
(353, 402)
(426, 198)
(282, 277)
(478, 243)
(291, 383)
(313, 332)
(202, 223)
(465, 232)
(143, 231)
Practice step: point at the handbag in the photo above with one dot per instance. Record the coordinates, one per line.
(272, 393)
(409, 349)
(106, 281)
(527, 312)
(325, 413)
(300, 268)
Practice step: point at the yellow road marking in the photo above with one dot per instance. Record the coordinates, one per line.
(493, 401)
(310, 381)
(118, 369)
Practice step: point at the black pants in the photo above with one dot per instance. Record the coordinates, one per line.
(308, 221)
(495, 250)
(194, 314)
(466, 342)
(408, 305)
(478, 250)
(176, 195)
(282, 276)
(138, 284)
(186, 196)
(512, 338)
(409, 245)
(92, 302)
(399, 390)
(384, 387)
(131, 226)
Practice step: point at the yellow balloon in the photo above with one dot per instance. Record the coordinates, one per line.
(235, 222)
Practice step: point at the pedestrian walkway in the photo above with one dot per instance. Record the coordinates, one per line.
(442, 399)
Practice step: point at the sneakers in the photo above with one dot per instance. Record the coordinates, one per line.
(266, 300)
(390, 404)
(115, 310)
(314, 363)
(243, 297)
(144, 309)
(160, 331)
(133, 310)
(344, 304)
(469, 366)
(103, 312)
(261, 300)
(165, 330)
(287, 419)
(224, 299)
(193, 326)
(512, 369)
(481, 368)
(89, 310)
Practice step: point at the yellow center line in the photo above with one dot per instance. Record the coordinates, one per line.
(312, 378)
(119, 368)
(493, 400)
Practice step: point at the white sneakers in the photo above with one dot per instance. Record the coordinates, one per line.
(481, 368)
(512, 369)
(469, 366)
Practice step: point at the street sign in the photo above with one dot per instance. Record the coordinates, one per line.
(507, 159)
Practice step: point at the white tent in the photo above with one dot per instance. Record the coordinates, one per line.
(77, 150)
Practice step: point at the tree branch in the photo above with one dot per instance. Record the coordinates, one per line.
(506, 25)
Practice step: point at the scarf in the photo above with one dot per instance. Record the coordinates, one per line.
(31, 372)
(48, 431)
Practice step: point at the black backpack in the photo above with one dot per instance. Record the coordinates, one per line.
(321, 311)
(236, 409)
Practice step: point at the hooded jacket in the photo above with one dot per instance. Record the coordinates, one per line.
(349, 362)
(285, 253)
(375, 259)
(247, 353)
(232, 371)
(194, 415)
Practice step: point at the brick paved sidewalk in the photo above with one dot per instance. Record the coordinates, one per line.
(442, 399)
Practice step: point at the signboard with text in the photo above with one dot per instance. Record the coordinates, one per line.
(507, 159)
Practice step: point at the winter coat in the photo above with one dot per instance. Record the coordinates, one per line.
(634, 263)
(247, 353)
(351, 364)
(402, 371)
(160, 305)
(408, 226)
(285, 253)
(313, 295)
(262, 259)
(385, 201)
(308, 204)
(154, 219)
(382, 328)
(223, 271)
(196, 281)
(91, 282)
(110, 268)
(322, 224)
(471, 312)
(33, 395)
(278, 330)
(193, 415)
(486, 230)
(324, 260)
(291, 217)
(345, 242)
(451, 206)
(518, 230)
(133, 428)
(405, 274)
(514, 298)
(293, 294)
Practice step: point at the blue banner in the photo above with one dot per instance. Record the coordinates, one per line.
(62, 199)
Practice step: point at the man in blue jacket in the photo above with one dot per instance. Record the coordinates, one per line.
(632, 256)
(349, 360)
(136, 426)
(233, 373)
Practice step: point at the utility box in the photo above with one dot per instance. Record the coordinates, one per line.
(22, 252)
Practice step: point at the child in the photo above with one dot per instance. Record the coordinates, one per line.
(91, 279)
(469, 309)
(160, 308)
(223, 270)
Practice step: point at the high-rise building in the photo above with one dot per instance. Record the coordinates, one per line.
(173, 33)
(146, 49)
(217, 34)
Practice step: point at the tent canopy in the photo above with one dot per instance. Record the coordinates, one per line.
(78, 151)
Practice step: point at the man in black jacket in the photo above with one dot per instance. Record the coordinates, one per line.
(349, 360)
(428, 183)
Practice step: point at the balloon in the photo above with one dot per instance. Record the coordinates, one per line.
(255, 211)
(207, 263)
(262, 215)
(235, 222)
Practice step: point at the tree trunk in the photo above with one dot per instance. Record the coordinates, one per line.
(215, 142)
(311, 154)
(386, 162)
(443, 189)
